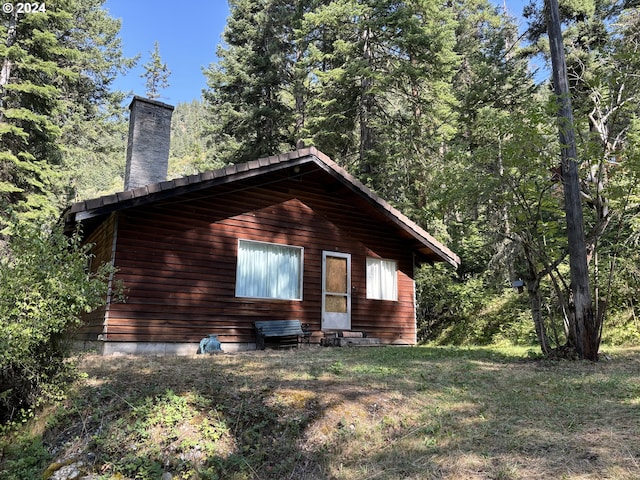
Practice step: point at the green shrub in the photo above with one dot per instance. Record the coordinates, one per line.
(621, 328)
(44, 288)
(24, 458)
(467, 311)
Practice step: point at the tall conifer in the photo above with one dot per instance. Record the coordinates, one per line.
(156, 73)
(249, 86)
(57, 67)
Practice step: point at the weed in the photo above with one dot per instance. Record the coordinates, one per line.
(337, 368)
(25, 457)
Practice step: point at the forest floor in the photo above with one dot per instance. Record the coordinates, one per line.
(340, 413)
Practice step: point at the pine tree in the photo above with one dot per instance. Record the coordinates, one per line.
(248, 90)
(368, 82)
(379, 78)
(497, 163)
(156, 74)
(57, 67)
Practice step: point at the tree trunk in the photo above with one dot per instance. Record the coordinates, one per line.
(586, 333)
(535, 299)
(299, 74)
(5, 73)
(366, 101)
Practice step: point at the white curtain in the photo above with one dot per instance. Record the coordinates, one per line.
(382, 280)
(267, 270)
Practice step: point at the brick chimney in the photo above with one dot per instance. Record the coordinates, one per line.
(148, 144)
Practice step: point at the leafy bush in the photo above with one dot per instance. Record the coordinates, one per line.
(446, 305)
(44, 287)
(24, 457)
(455, 311)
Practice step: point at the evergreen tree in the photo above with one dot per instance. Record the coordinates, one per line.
(505, 179)
(55, 107)
(57, 67)
(491, 84)
(156, 74)
(380, 87)
(247, 89)
(472, 190)
(95, 162)
(368, 82)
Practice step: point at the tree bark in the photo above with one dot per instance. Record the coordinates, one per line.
(366, 132)
(5, 73)
(535, 299)
(583, 315)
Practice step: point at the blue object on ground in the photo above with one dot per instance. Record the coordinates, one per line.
(210, 344)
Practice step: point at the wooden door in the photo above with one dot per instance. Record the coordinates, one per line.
(336, 291)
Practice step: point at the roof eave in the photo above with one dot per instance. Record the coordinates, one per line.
(105, 205)
(398, 218)
(101, 206)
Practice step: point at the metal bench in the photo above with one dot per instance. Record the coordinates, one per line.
(286, 332)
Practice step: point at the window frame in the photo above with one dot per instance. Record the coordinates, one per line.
(395, 279)
(300, 270)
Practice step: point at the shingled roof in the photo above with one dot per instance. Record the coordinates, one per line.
(86, 210)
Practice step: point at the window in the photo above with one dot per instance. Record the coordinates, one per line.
(382, 280)
(268, 270)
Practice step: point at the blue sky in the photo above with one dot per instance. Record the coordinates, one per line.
(188, 33)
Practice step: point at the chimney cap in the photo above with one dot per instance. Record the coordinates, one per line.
(137, 98)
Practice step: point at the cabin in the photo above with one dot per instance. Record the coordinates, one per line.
(288, 237)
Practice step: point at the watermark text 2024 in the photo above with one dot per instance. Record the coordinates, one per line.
(22, 8)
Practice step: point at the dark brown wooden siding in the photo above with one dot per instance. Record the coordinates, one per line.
(177, 260)
(102, 240)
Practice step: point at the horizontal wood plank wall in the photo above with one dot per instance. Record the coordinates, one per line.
(102, 240)
(177, 260)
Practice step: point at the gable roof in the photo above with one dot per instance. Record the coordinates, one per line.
(95, 209)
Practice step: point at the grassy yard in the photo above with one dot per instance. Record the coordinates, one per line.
(342, 413)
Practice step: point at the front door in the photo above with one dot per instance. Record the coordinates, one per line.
(336, 291)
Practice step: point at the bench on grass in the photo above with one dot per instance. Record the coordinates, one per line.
(287, 332)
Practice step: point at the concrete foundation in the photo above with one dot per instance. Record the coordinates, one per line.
(155, 348)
